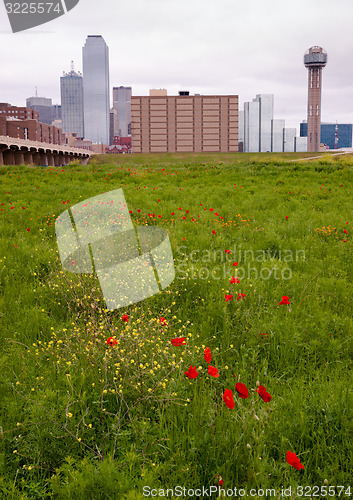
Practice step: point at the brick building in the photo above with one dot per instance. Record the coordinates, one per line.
(184, 123)
(120, 145)
(23, 123)
(20, 113)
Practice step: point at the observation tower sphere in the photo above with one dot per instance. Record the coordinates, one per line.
(314, 60)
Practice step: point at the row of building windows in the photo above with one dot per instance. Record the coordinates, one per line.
(208, 142)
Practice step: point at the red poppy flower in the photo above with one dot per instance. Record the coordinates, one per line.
(214, 232)
(234, 280)
(219, 480)
(286, 217)
(235, 263)
(242, 390)
(264, 394)
(228, 399)
(28, 229)
(345, 231)
(284, 301)
(178, 341)
(125, 318)
(163, 321)
(228, 297)
(111, 341)
(192, 372)
(241, 296)
(228, 251)
(294, 461)
(207, 354)
(213, 371)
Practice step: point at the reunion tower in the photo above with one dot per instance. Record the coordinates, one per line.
(314, 59)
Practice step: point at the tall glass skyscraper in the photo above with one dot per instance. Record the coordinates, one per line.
(71, 89)
(95, 56)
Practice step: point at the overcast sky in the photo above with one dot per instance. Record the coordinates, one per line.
(204, 46)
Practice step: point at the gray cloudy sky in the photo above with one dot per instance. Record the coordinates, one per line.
(207, 47)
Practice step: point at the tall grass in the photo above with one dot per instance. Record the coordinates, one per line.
(85, 419)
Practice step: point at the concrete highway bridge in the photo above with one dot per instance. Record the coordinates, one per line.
(20, 151)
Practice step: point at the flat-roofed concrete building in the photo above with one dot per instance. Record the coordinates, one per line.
(184, 123)
(289, 140)
(277, 131)
(300, 144)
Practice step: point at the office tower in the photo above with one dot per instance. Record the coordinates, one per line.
(252, 126)
(300, 144)
(277, 128)
(184, 123)
(112, 126)
(44, 107)
(314, 59)
(333, 135)
(257, 123)
(122, 106)
(71, 91)
(56, 112)
(265, 117)
(289, 139)
(96, 108)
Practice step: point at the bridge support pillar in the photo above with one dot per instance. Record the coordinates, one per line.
(28, 158)
(43, 160)
(19, 158)
(50, 157)
(36, 158)
(1, 158)
(9, 157)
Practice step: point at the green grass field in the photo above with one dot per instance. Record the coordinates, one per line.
(83, 419)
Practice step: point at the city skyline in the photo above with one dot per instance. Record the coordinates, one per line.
(255, 48)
